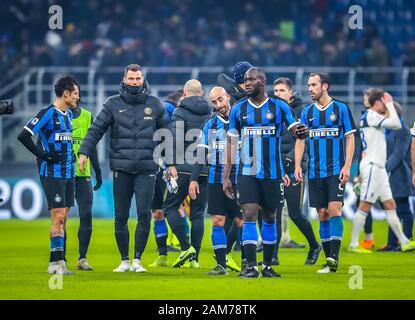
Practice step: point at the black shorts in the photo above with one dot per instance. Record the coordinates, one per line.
(323, 191)
(219, 204)
(268, 193)
(59, 192)
(160, 190)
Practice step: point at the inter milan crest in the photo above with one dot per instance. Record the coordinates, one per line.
(333, 117)
(269, 116)
(148, 111)
(58, 198)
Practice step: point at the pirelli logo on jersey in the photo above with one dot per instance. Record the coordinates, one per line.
(63, 136)
(324, 132)
(259, 131)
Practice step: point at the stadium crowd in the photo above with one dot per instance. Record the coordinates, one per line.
(205, 33)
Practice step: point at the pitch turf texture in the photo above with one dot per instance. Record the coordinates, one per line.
(24, 256)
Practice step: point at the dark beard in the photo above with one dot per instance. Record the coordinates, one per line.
(253, 94)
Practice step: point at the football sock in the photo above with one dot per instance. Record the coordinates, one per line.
(358, 223)
(161, 232)
(396, 226)
(269, 239)
(369, 224)
(250, 240)
(219, 244)
(56, 248)
(325, 237)
(336, 234)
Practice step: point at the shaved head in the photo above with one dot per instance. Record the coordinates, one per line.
(193, 87)
(217, 91)
(221, 101)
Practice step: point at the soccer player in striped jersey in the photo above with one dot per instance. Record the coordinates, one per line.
(258, 122)
(56, 170)
(213, 138)
(375, 180)
(330, 149)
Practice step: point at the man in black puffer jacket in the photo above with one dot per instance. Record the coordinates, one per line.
(186, 123)
(294, 193)
(133, 116)
(235, 86)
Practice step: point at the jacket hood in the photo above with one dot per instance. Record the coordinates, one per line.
(197, 105)
(234, 90)
(295, 101)
(134, 94)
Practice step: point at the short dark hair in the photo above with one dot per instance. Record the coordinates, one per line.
(67, 82)
(324, 78)
(375, 95)
(284, 80)
(260, 72)
(175, 96)
(132, 67)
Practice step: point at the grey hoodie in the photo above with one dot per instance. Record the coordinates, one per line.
(190, 114)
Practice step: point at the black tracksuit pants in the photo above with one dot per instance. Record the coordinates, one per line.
(294, 198)
(125, 186)
(84, 198)
(197, 208)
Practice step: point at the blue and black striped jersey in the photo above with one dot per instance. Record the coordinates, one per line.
(214, 138)
(55, 133)
(326, 146)
(260, 129)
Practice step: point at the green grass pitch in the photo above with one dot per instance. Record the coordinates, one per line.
(24, 258)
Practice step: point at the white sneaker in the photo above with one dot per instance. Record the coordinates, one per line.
(63, 269)
(53, 266)
(124, 267)
(84, 265)
(137, 267)
(326, 269)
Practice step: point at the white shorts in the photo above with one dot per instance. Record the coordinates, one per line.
(375, 184)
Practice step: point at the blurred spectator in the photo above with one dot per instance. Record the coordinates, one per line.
(205, 33)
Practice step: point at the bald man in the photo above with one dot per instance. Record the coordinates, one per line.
(187, 119)
(212, 144)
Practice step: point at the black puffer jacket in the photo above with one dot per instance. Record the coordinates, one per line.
(133, 116)
(234, 90)
(288, 140)
(190, 114)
